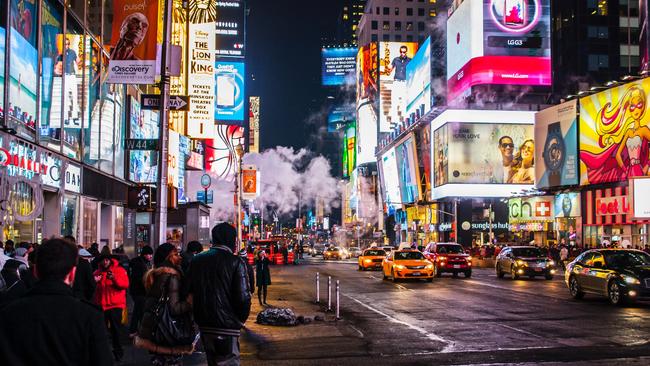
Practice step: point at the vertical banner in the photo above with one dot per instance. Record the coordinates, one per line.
(254, 123)
(178, 86)
(133, 41)
(250, 185)
(201, 88)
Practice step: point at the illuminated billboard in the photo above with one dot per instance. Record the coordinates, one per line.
(220, 156)
(394, 58)
(407, 170)
(200, 80)
(339, 118)
(143, 164)
(230, 24)
(556, 151)
(418, 81)
(338, 64)
(390, 180)
(366, 136)
(505, 42)
(254, 125)
(349, 149)
(229, 80)
(614, 134)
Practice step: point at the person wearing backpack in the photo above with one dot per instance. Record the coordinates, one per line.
(163, 282)
(16, 276)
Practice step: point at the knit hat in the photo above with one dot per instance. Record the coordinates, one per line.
(84, 253)
(224, 234)
(146, 250)
(162, 252)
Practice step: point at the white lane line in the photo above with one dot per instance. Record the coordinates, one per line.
(521, 331)
(449, 347)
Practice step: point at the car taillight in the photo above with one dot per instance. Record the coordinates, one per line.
(441, 259)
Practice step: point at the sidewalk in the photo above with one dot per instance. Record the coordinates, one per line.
(263, 344)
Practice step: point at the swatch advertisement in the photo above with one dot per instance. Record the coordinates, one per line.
(366, 136)
(390, 178)
(143, 164)
(538, 208)
(338, 64)
(229, 81)
(407, 170)
(567, 204)
(394, 58)
(487, 153)
(133, 42)
(556, 151)
(614, 134)
(498, 42)
(418, 81)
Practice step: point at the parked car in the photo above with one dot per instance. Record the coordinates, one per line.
(403, 264)
(622, 275)
(371, 259)
(333, 253)
(524, 261)
(449, 258)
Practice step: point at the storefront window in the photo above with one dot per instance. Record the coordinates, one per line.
(94, 17)
(69, 215)
(23, 203)
(120, 131)
(73, 88)
(119, 226)
(51, 75)
(89, 223)
(23, 68)
(111, 109)
(92, 112)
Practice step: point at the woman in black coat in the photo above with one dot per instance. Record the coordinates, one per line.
(263, 275)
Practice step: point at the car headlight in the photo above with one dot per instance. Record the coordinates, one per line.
(429, 266)
(520, 262)
(399, 266)
(631, 280)
(367, 260)
(550, 263)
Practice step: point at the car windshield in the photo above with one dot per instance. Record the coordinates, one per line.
(408, 255)
(374, 252)
(449, 249)
(355, 248)
(626, 259)
(334, 249)
(526, 252)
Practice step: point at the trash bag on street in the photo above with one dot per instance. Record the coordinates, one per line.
(277, 316)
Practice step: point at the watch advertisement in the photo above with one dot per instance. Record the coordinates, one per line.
(556, 151)
(567, 204)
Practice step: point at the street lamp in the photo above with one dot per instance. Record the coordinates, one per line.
(239, 150)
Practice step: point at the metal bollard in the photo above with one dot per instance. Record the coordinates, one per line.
(338, 300)
(329, 293)
(317, 288)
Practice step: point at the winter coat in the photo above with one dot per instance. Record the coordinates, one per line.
(49, 326)
(138, 267)
(263, 272)
(218, 283)
(156, 280)
(84, 283)
(111, 293)
(251, 275)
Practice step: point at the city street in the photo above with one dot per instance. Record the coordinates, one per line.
(482, 320)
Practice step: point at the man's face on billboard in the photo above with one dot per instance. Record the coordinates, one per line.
(136, 28)
(507, 147)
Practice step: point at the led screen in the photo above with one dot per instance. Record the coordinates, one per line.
(366, 136)
(143, 164)
(220, 156)
(339, 118)
(390, 178)
(349, 149)
(338, 64)
(230, 17)
(394, 58)
(556, 151)
(485, 153)
(407, 169)
(229, 80)
(418, 81)
(614, 134)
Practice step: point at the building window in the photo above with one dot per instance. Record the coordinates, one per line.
(385, 37)
(386, 11)
(597, 62)
(597, 32)
(398, 25)
(374, 25)
(420, 12)
(629, 61)
(396, 11)
(398, 37)
(420, 26)
(409, 38)
(409, 26)
(377, 12)
(433, 12)
(373, 37)
(409, 11)
(386, 25)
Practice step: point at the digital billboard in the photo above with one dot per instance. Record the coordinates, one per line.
(556, 151)
(390, 180)
(504, 42)
(349, 149)
(366, 136)
(424, 158)
(485, 153)
(229, 80)
(340, 117)
(220, 156)
(254, 125)
(418, 80)
(143, 164)
(394, 58)
(407, 170)
(614, 134)
(230, 25)
(338, 64)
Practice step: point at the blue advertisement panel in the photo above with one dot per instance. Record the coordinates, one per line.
(229, 80)
(418, 80)
(339, 118)
(556, 130)
(407, 171)
(337, 65)
(143, 164)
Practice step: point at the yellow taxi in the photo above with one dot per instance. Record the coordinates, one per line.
(407, 263)
(371, 258)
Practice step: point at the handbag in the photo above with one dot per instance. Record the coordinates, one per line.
(170, 330)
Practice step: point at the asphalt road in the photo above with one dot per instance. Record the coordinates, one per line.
(481, 320)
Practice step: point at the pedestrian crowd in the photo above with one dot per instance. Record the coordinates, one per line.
(63, 304)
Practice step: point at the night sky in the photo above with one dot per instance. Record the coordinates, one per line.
(283, 55)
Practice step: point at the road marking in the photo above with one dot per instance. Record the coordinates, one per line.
(434, 337)
(521, 331)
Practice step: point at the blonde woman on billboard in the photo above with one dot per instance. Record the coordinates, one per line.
(524, 166)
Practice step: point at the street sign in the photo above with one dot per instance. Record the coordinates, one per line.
(206, 181)
(176, 102)
(140, 198)
(141, 144)
(200, 196)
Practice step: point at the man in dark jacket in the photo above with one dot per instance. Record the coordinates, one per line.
(218, 282)
(60, 329)
(84, 283)
(243, 254)
(138, 267)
